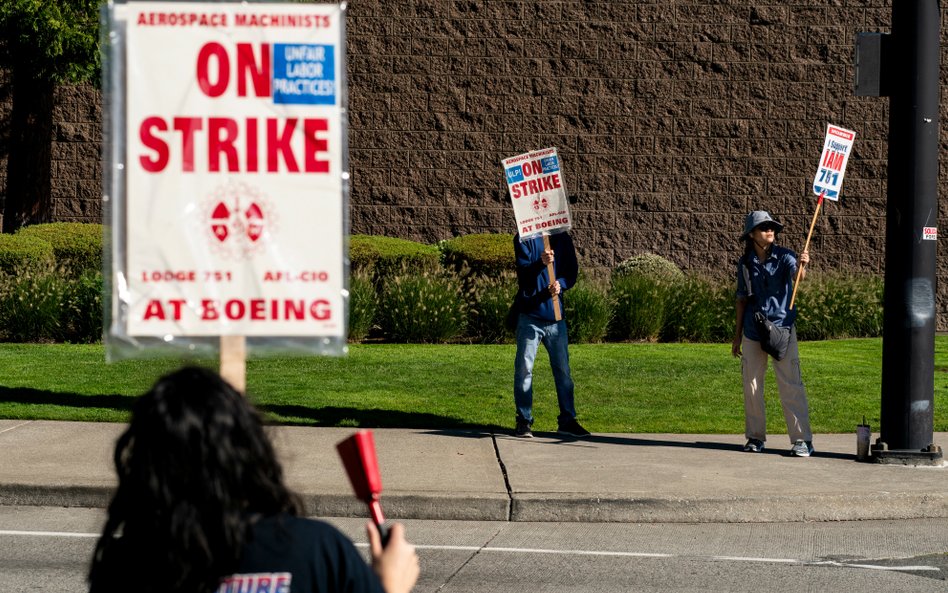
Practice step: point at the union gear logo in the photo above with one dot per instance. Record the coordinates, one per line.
(240, 220)
(541, 203)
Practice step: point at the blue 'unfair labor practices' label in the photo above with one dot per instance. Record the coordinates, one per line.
(304, 74)
(550, 164)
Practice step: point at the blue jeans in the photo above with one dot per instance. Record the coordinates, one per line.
(531, 331)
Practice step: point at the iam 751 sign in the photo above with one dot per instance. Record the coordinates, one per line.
(235, 175)
(837, 146)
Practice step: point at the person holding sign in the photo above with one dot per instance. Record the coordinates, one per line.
(539, 322)
(765, 324)
(201, 506)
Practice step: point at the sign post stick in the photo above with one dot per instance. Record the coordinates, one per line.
(796, 282)
(552, 273)
(234, 361)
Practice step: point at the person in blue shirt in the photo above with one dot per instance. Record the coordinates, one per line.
(765, 276)
(536, 324)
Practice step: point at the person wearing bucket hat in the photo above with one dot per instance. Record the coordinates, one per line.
(765, 324)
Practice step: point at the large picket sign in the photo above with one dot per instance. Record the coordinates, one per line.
(235, 167)
(538, 193)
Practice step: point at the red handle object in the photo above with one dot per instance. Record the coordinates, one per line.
(358, 457)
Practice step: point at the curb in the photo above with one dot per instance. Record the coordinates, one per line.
(565, 507)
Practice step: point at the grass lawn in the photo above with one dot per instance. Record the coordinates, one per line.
(675, 388)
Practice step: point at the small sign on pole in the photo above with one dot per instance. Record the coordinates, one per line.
(538, 195)
(828, 181)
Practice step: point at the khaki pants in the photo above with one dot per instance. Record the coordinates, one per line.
(789, 385)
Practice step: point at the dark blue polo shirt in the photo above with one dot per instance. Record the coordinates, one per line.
(772, 286)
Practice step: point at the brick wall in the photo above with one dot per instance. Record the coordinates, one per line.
(673, 118)
(76, 169)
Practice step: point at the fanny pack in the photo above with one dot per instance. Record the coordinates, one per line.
(774, 340)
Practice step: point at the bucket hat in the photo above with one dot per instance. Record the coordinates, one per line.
(757, 218)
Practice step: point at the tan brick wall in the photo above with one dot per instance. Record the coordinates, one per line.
(673, 119)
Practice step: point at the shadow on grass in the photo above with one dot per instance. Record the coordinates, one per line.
(277, 414)
(29, 396)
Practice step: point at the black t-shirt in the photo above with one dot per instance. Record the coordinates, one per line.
(295, 555)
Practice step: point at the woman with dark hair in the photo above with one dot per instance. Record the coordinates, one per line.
(201, 507)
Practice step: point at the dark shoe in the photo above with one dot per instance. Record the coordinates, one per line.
(572, 428)
(523, 430)
(754, 446)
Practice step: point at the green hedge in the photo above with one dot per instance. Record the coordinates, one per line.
(77, 246)
(400, 291)
(480, 255)
(21, 253)
(382, 258)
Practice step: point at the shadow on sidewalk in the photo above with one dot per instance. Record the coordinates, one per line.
(289, 414)
(557, 440)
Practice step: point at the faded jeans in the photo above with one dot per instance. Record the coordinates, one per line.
(531, 331)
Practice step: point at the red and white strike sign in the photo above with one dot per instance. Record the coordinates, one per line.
(836, 149)
(538, 194)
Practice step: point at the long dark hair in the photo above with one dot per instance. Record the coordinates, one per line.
(195, 469)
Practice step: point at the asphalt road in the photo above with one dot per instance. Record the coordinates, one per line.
(48, 549)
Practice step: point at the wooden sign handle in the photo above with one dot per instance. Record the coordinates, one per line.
(552, 273)
(806, 247)
(234, 361)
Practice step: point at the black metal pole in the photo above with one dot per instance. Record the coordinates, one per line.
(908, 346)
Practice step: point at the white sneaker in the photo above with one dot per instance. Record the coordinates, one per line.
(801, 448)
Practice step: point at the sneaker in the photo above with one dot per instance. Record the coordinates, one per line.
(572, 428)
(801, 448)
(754, 446)
(523, 430)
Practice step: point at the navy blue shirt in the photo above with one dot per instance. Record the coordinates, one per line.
(771, 288)
(295, 555)
(533, 296)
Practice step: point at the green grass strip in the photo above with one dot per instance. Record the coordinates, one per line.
(650, 388)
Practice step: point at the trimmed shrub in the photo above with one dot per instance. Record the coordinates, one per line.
(638, 307)
(422, 308)
(22, 254)
(649, 265)
(363, 304)
(483, 254)
(839, 306)
(384, 258)
(588, 312)
(488, 301)
(699, 310)
(77, 246)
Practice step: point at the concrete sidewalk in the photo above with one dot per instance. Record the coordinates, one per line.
(430, 474)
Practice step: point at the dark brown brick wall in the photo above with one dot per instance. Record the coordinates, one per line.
(673, 119)
(76, 169)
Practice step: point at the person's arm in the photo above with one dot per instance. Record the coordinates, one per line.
(528, 268)
(567, 267)
(740, 306)
(397, 563)
(804, 260)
